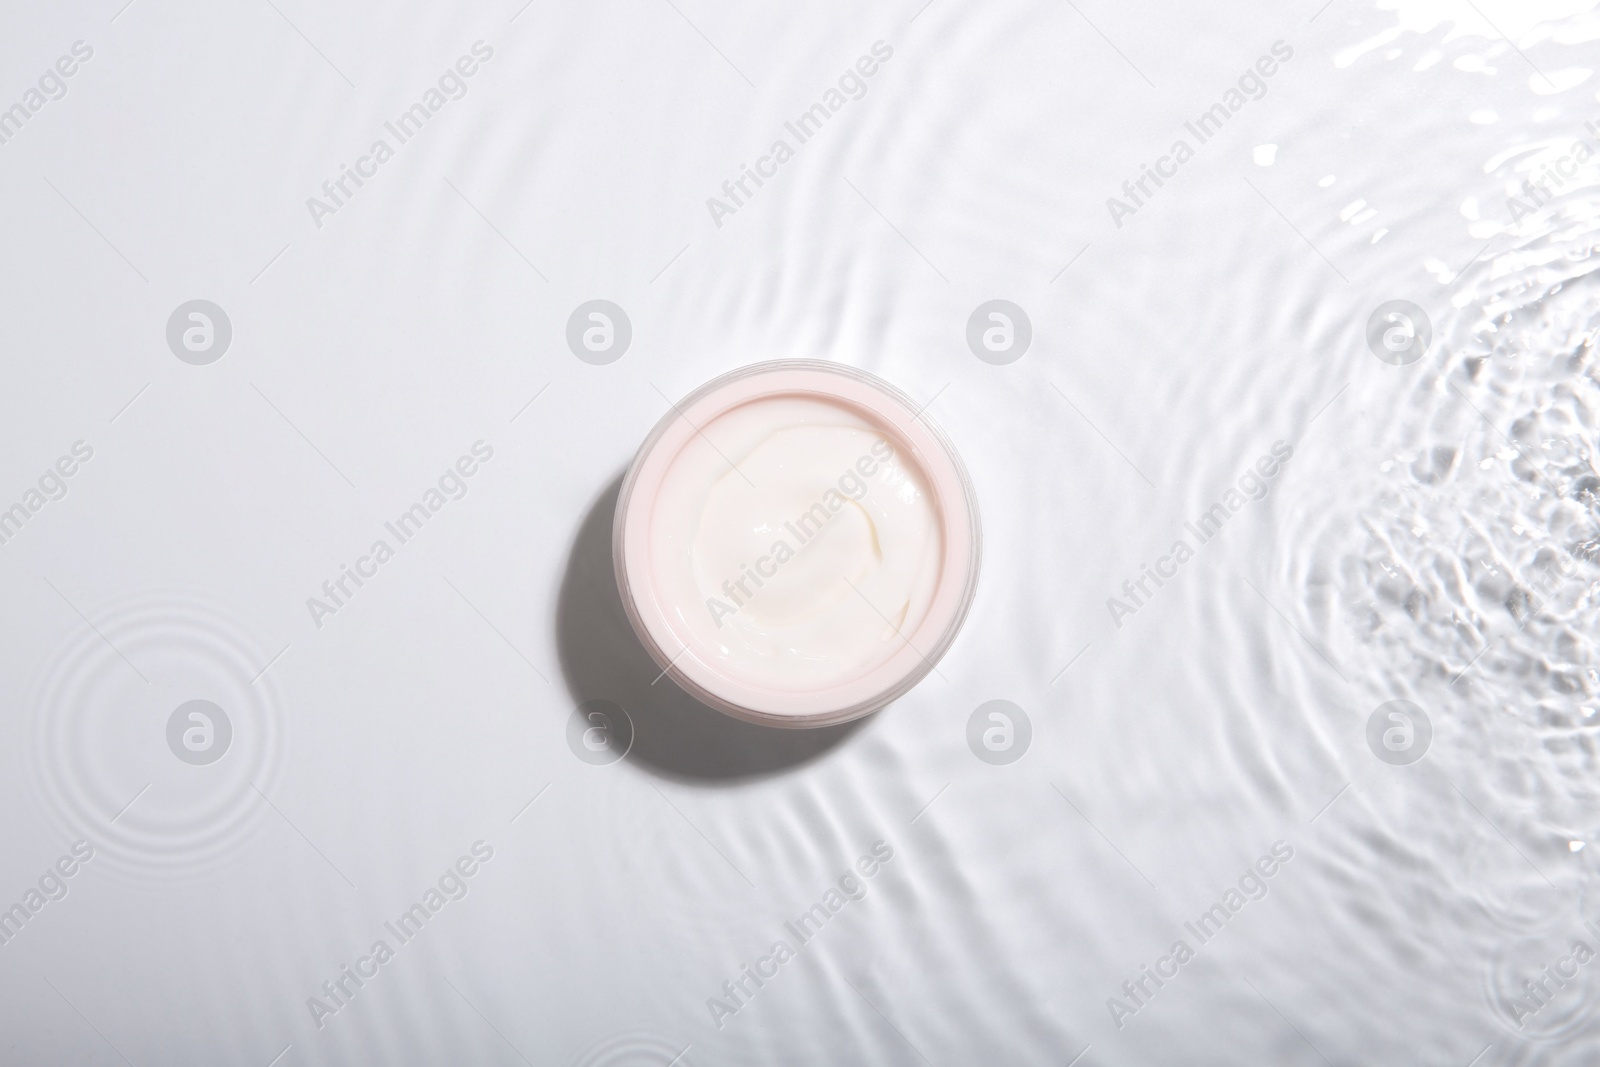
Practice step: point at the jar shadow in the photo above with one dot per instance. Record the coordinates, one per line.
(673, 733)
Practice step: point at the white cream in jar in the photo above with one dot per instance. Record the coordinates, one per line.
(800, 562)
(795, 544)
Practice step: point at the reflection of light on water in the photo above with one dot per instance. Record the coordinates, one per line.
(1461, 568)
(1486, 21)
(100, 745)
(1469, 577)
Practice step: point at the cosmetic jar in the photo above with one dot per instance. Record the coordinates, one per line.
(796, 543)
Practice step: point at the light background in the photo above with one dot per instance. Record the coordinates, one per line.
(429, 313)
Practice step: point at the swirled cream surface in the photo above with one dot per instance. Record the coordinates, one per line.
(796, 541)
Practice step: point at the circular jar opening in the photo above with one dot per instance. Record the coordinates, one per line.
(796, 543)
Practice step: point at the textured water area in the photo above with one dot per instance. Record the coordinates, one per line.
(1271, 737)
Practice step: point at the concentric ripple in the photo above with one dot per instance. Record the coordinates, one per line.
(101, 752)
(635, 1050)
